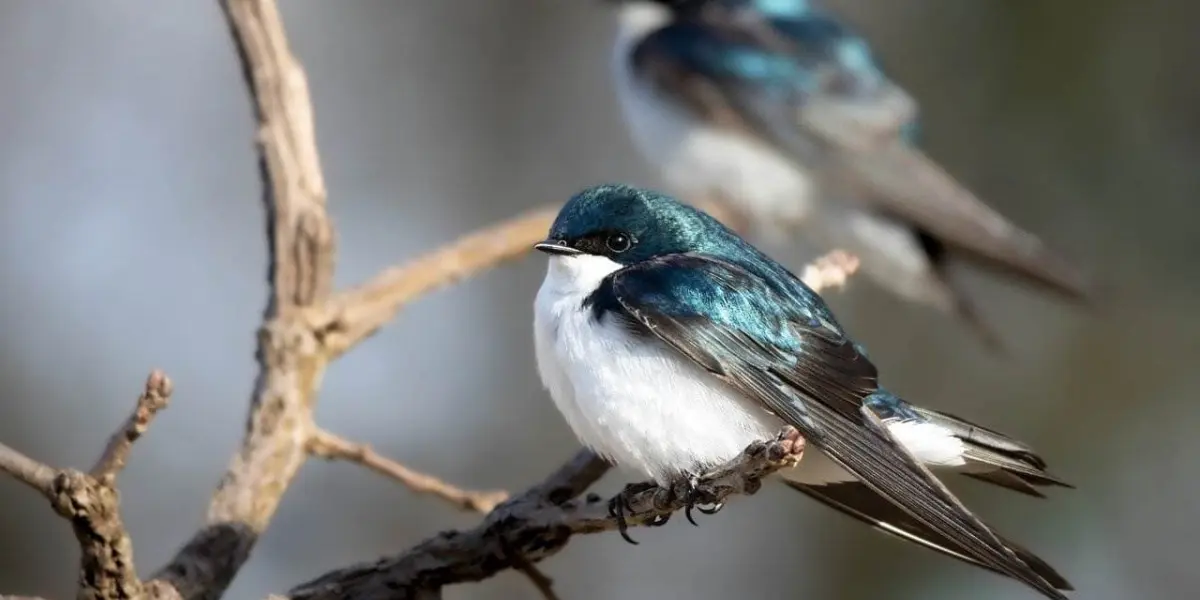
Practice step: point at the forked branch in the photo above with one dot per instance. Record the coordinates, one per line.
(91, 504)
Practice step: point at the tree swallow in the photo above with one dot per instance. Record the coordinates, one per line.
(781, 112)
(670, 344)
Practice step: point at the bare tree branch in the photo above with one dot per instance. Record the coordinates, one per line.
(536, 527)
(290, 354)
(329, 446)
(36, 475)
(541, 582)
(155, 398)
(91, 503)
(358, 313)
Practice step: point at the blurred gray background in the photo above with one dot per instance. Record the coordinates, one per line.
(131, 237)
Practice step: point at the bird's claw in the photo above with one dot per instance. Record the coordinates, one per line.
(694, 497)
(698, 499)
(620, 509)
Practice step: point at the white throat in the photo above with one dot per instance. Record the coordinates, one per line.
(577, 275)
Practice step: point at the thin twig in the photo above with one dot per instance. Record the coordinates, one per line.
(541, 582)
(36, 475)
(332, 447)
(356, 314)
(155, 397)
(830, 271)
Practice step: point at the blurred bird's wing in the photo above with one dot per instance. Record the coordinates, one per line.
(777, 343)
(811, 89)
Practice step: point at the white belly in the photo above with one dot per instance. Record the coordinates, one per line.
(636, 403)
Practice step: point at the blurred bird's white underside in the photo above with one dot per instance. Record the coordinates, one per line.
(647, 409)
(699, 161)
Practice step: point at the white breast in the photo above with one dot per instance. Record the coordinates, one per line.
(697, 160)
(634, 402)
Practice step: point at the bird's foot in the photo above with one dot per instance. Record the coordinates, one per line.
(698, 498)
(620, 509)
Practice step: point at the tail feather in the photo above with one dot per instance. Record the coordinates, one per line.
(1016, 465)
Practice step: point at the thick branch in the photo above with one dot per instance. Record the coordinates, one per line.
(533, 527)
(290, 354)
(329, 446)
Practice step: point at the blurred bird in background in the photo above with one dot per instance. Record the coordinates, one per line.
(778, 111)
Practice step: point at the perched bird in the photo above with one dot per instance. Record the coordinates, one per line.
(780, 111)
(670, 344)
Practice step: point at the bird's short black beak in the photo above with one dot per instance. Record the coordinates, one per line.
(558, 247)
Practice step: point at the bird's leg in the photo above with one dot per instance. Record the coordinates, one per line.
(620, 509)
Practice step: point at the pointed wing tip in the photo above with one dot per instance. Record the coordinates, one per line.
(855, 500)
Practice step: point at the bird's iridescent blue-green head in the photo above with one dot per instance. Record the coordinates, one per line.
(628, 225)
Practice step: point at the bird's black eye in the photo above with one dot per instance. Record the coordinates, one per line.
(618, 242)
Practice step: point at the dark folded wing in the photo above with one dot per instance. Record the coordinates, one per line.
(863, 503)
(810, 88)
(775, 341)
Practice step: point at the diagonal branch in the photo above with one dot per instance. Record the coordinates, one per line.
(534, 527)
(356, 314)
(32, 473)
(331, 447)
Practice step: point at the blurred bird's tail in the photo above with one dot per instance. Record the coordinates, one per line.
(909, 185)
